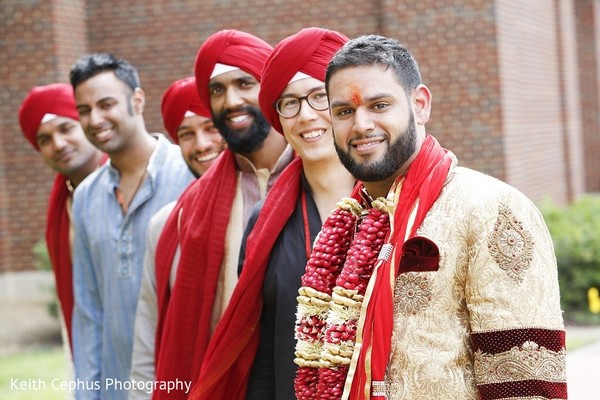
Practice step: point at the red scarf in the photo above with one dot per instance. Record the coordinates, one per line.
(184, 313)
(59, 249)
(228, 361)
(58, 226)
(423, 182)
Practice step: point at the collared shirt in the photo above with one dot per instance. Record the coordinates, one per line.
(107, 267)
(252, 186)
(254, 183)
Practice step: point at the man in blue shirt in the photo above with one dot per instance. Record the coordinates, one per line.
(111, 210)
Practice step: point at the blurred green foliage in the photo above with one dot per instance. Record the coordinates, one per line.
(42, 262)
(575, 231)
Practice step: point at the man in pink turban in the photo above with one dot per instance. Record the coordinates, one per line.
(202, 237)
(251, 354)
(50, 122)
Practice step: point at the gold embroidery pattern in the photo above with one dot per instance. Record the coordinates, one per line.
(412, 293)
(379, 388)
(510, 244)
(528, 362)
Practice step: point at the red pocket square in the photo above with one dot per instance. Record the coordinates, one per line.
(419, 254)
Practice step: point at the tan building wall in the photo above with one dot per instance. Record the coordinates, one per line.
(506, 76)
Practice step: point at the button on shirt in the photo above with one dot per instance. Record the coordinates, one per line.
(107, 268)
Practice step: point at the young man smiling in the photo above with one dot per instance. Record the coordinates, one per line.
(50, 122)
(461, 299)
(111, 211)
(251, 354)
(189, 123)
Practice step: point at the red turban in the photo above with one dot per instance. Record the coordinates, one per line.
(308, 51)
(233, 48)
(56, 98)
(180, 97)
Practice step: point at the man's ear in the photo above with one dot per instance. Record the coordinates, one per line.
(421, 102)
(139, 100)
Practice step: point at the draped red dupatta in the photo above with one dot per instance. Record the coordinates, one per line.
(197, 226)
(423, 182)
(228, 360)
(59, 249)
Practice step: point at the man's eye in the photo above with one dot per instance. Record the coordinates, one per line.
(186, 135)
(344, 112)
(67, 128)
(215, 91)
(212, 129)
(107, 105)
(289, 103)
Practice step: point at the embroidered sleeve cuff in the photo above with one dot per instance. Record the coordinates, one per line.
(520, 363)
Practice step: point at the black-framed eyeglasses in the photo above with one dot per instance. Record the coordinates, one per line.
(289, 107)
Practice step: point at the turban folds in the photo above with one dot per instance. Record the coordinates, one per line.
(308, 51)
(232, 48)
(180, 97)
(56, 98)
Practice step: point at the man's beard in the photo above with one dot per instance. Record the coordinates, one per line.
(244, 142)
(399, 151)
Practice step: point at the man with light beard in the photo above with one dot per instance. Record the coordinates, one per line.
(189, 123)
(111, 210)
(207, 224)
(456, 293)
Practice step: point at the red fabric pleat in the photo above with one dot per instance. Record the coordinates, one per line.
(184, 312)
(59, 246)
(228, 360)
(424, 181)
(59, 249)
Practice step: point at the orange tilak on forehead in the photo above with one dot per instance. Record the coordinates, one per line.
(355, 94)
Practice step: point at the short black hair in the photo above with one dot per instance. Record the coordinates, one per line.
(375, 49)
(90, 65)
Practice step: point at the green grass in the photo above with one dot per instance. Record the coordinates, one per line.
(37, 375)
(574, 343)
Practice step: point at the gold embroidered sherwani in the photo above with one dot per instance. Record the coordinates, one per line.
(487, 324)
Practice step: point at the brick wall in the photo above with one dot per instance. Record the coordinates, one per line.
(588, 36)
(571, 112)
(531, 97)
(503, 75)
(454, 42)
(38, 42)
(161, 38)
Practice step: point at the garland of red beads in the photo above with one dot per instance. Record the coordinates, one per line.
(331, 297)
(322, 269)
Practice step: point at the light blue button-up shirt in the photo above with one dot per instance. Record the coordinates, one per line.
(108, 255)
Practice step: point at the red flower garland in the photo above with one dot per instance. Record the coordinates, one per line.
(327, 316)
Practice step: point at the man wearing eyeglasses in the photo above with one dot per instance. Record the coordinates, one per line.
(251, 354)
